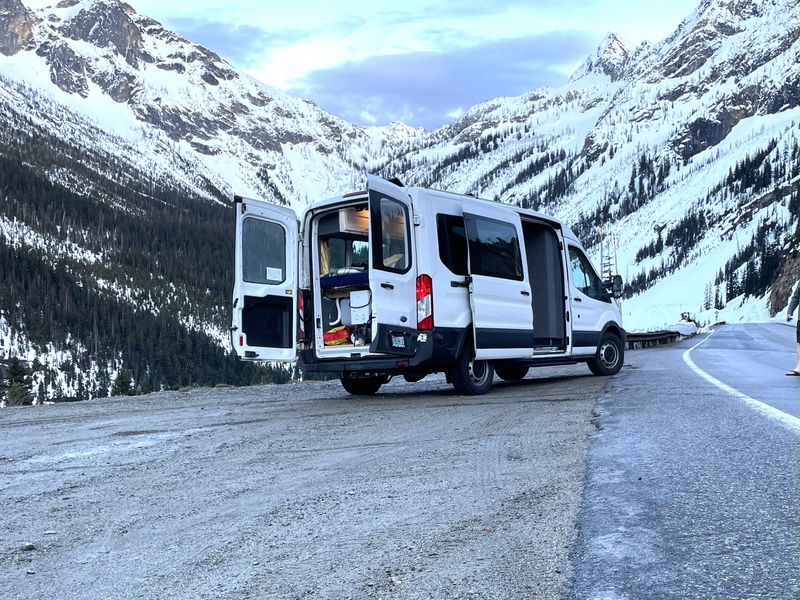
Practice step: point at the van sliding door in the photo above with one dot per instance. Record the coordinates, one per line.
(500, 292)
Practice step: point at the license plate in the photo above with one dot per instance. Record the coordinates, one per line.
(398, 341)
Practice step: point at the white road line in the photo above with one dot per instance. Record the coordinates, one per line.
(788, 420)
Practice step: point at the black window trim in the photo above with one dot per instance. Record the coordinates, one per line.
(286, 266)
(376, 232)
(441, 222)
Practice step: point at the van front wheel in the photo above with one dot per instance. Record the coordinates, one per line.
(362, 386)
(609, 356)
(471, 377)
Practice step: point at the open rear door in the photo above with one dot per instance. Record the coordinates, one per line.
(500, 292)
(265, 291)
(392, 273)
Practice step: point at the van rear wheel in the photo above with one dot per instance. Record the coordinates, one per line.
(362, 386)
(471, 377)
(609, 356)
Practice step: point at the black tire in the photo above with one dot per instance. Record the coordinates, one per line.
(471, 377)
(510, 372)
(362, 386)
(609, 356)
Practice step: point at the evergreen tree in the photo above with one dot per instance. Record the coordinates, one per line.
(123, 385)
(18, 384)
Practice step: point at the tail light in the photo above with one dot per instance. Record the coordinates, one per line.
(301, 313)
(424, 303)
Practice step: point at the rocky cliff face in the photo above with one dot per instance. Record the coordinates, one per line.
(107, 25)
(16, 26)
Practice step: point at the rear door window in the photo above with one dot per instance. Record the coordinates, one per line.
(391, 237)
(263, 252)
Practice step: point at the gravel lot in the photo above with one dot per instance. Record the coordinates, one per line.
(298, 491)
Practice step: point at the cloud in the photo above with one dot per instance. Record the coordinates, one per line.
(424, 88)
(242, 45)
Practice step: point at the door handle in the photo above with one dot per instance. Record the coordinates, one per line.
(577, 300)
(525, 293)
(387, 286)
(463, 284)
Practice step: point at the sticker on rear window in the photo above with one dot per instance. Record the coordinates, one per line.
(274, 274)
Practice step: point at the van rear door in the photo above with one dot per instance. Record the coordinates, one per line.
(392, 273)
(500, 292)
(264, 323)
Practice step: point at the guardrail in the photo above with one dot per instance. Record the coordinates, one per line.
(653, 338)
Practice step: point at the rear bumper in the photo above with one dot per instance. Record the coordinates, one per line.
(439, 348)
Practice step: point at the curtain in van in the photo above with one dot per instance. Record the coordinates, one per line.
(546, 271)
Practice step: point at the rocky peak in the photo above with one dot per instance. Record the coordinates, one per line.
(700, 34)
(16, 26)
(610, 58)
(108, 24)
(743, 9)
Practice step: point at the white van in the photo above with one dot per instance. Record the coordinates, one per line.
(411, 281)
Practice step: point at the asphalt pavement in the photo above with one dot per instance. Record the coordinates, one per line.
(690, 491)
(754, 359)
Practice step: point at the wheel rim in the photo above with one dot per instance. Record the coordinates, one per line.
(609, 355)
(478, 371)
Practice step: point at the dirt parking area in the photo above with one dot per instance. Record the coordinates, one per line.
(298, 491)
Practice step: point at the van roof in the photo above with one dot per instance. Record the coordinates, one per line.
(415, 192)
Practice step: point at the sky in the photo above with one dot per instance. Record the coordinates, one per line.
(420, 62)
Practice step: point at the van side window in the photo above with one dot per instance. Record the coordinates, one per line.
(583, 275)
(452, 243)
(390, 235)
(263, 251)
(494, 249)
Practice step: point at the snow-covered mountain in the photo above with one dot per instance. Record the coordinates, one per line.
(187, 112)
(682, 154)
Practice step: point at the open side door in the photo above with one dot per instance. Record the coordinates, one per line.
(500, 291)
(264, 323)
(392, 273)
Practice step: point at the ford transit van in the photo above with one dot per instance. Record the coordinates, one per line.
(397, 281)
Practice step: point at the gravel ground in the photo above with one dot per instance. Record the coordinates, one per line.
(298, 491)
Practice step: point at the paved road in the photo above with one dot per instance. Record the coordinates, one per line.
(690, 492)
(754, 359)
(298, 491)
